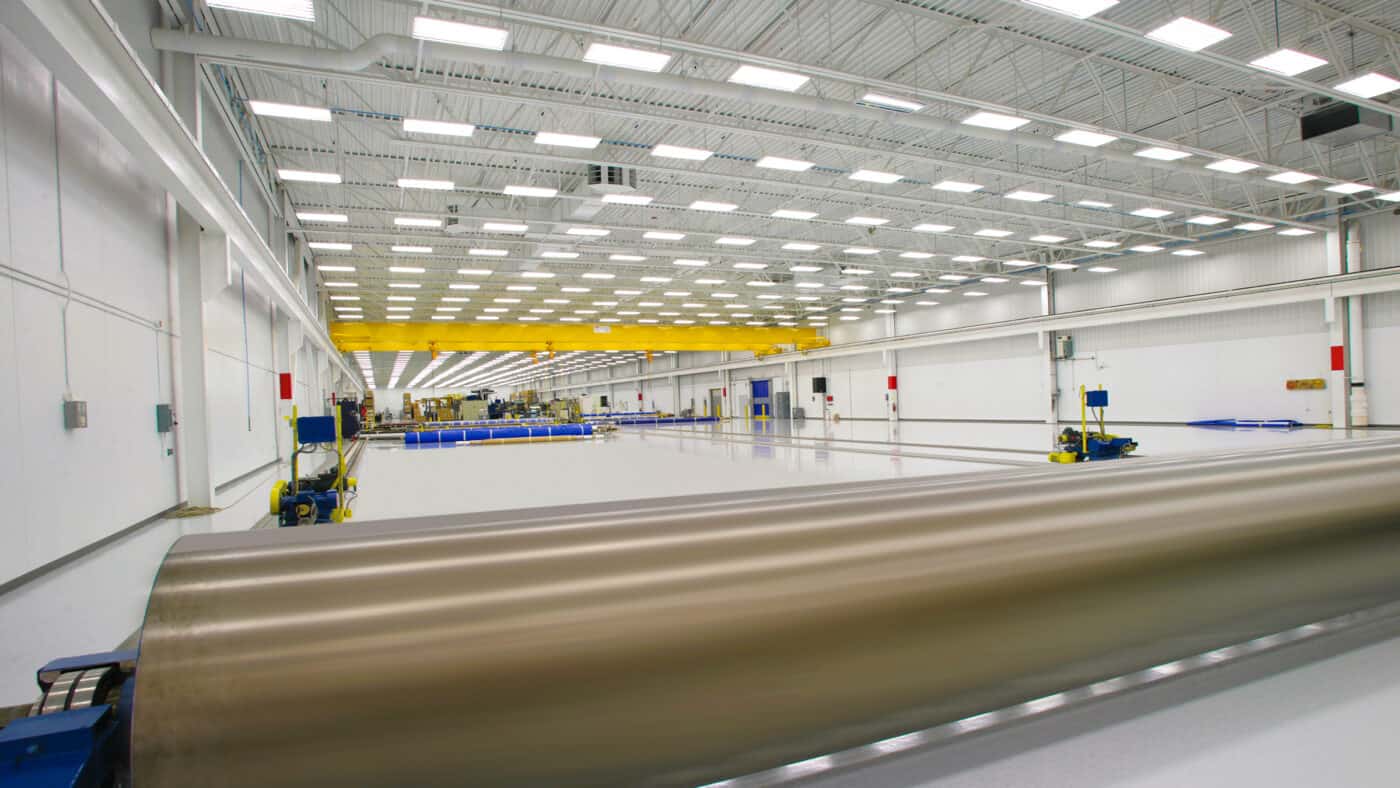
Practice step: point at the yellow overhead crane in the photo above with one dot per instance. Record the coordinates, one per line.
(433, 337)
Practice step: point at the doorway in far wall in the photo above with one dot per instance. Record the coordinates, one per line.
(761, 402)
(713, 408)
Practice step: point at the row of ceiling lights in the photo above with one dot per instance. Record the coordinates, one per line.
(1183, 32)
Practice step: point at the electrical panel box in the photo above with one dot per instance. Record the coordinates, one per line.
(1064, 347)
(74, 414)
(818, 385)
(164, 418)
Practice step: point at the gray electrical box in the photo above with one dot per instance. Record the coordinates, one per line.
(164, 419)
(1064, 346)
(74, 414)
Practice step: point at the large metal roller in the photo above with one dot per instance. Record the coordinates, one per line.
(683, 641)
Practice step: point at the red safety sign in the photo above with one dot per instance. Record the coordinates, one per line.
(1339, 358)
(284, 383)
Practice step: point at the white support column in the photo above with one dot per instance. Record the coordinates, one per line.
(1047, 348)
(891, 359)
(1360, 410)
(790, 372)
(200, 257)
(1336, 312)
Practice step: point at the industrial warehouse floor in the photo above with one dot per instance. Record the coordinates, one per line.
(644, 462)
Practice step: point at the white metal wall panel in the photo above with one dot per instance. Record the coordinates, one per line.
(1254, 260)
(995, 379)
(955, 310)
(1381, 335)
(1225, 365)
(242, 382)
(1380, 241)
(32, 191)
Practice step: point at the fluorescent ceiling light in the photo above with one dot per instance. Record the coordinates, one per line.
(626, 57)
(1089, 139)
(504, 227)
(991, 232)
(531, 191)
(566, 140)
(626, 258)
(1162, 154)
(799, 246)
(707, 205)
(916, 255)
(957, 186)
(488, 252)
(1288, 62)
(658, 235)
(804, 269)
(599, 275)
(655, 279)
(680, 152)
(330, 246)
(1021, 195)
(308, 176)
(1049, 239)
(1292, 178)
(1099, 269)
(627, 199)
(405, 285)
(591, 232)
(785, 213)
(994, 280)
(1152, 213)
(406, 269)
(1080, 9)
(1390, 197)
(1295, 232)
(339, 269)
(967, 258)
(1145, 248)
(995, 120)
(859, 250)
(1207, 220)
(1188, 253)
(808, 286)
(1349, 188)
(1233, 166)
(1099, 204)
(333, 218)
(932, 228)
(890, 102)
(768, 78)
(474, 272)
(904, 275)
(1188, 34)
(459, 33)
(867, 221)
(1101, 244)
(751, 266)
(560, 255)
(412, 249)
(442, 127)
(536, 275)
(874, 176)
(732, 241)
(954, 277)
(1253, 227)
(690, 263)
(303, 10)
(425, 183)
(1062, 266)
(1369, 86)
(779, 163)
(414, 221)
(273, 109)
(1020, 263)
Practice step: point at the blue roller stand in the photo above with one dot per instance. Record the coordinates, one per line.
(74, 745)
(449, 437)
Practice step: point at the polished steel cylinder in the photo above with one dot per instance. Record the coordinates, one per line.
(683, 641)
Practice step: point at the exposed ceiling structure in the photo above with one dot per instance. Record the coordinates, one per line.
(480, 370)
(779, 161)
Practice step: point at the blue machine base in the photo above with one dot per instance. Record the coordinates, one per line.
(296, 508)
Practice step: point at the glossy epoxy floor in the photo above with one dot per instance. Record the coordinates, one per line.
(645, 462)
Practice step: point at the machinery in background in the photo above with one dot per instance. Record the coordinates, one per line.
(368, 409)
(1084, 446)
(325, 497)
(567, 411)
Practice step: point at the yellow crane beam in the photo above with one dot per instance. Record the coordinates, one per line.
(434, 337)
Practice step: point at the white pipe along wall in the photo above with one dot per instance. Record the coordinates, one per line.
(115, 295)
